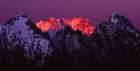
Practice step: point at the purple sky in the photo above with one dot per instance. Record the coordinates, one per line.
(96, 10)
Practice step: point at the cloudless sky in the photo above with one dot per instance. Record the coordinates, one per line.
(96, 10)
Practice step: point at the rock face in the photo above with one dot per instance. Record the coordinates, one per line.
(114, 45)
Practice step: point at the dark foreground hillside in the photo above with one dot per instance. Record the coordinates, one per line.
(115, 46)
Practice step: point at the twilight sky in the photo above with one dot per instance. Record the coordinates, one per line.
(96, 10)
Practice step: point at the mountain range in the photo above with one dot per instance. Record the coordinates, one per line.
(115, 46)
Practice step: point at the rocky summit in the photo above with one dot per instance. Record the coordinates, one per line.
(114, 46)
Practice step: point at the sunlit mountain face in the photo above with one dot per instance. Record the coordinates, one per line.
(69, 44)
(82, 24)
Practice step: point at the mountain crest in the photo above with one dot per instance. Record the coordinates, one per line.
(114, 17)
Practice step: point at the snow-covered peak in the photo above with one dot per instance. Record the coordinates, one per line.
(114, 17)
(20, 23)
(20, 30)
(20, 26)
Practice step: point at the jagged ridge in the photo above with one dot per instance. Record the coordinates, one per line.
(114, 43)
